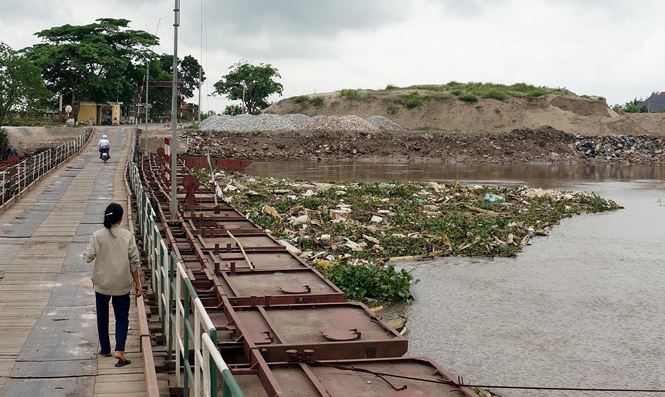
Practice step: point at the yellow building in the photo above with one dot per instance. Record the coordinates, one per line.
(88, 111)
(108, 113)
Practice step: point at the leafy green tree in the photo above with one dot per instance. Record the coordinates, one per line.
(634, 106)
(260, 82)
(233, 110)
(161, 69)
(100, 62)
(21, 86)
(188, 72)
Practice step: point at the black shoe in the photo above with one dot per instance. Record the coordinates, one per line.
(105, 354)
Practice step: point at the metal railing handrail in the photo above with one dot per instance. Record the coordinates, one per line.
(16, 179)
(180, 308)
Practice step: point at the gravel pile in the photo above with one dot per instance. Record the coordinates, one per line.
(247, 123)
(299, 120)
(341, 123)
(296, 122)
(383, 123)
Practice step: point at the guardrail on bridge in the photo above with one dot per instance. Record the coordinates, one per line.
(16, 179)
(180, 308)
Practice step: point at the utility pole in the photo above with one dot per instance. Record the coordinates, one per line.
(174, 116)
(244, 96)
(147, 88)
(201, 63)
(200, 76)
(147, 107)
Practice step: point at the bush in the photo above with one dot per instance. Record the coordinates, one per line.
(428, 87)
(207, 114)
(301, 99)
(634, 106)
(468, 98)
(349, 93)
(439, 97)
(318, 101)
(457, 92)
(392, 87)
(411, 101)
(372, 284)
(4, 145)
(234, 110)
(496, 94)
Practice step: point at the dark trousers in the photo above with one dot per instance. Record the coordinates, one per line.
(121, 311)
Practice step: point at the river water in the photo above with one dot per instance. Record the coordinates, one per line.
(582, 307)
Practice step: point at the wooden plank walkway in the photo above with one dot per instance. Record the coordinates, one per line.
(48, 334)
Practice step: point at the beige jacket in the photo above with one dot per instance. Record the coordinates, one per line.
(116, 257)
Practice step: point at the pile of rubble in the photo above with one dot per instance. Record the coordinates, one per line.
(622, 148)
(296, 122)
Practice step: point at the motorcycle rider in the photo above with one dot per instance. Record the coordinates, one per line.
(104, 146)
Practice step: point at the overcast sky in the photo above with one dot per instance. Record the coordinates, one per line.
(612, 48)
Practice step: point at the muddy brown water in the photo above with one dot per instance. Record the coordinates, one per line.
(582, 307)
(545, 175)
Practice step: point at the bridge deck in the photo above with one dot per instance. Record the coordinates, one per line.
(48, 334)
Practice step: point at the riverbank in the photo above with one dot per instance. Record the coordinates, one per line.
(29, 140)
(541, 145)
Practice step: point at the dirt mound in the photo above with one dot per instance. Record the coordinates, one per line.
(425, 110)
(581, 106)
(26, 140)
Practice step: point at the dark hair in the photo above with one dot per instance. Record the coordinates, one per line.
(112, 215)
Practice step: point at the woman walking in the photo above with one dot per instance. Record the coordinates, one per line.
(116, 263)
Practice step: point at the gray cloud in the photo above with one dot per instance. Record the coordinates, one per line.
(290, 28)
(468, 8)
(306, 17)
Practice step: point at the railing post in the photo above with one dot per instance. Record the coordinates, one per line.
(176, 332)
(2, 193)
(185, 342)
(168, 289)
(197, 349)
(212, 375)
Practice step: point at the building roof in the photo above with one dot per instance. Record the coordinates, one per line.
(655, 103)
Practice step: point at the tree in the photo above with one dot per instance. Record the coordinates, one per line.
(21, 86)
(188, 73)
(635, 106)
(101, 61)
(260, 82)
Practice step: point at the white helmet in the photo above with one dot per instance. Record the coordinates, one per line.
(104, 137)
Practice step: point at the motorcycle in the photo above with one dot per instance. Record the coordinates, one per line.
(105, 155)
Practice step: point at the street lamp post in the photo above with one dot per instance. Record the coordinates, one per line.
(174, 116)
(147, 107)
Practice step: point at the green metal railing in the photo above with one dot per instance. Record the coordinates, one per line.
(186, 323)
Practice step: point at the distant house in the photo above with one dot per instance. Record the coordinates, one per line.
(99, 114)
(655, 103)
